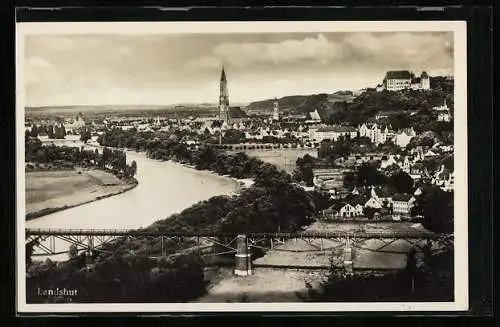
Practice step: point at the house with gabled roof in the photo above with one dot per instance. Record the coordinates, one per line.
(402, 203)
(340, 209)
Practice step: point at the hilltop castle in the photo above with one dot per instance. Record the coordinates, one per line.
(403, 79)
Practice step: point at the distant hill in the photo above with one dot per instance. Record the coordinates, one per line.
(93, 108)
(304, 104)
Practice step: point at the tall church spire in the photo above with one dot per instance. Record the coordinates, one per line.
(223, 75)
(223, 98)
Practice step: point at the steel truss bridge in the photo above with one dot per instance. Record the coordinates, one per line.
(50, 242)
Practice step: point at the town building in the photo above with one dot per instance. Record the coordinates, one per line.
(403, 138)
(341, 209)
(444, 178)
(397, 80)
(76, 126)
(421, 83)
(443, 112)
(314, 117)
(328, 178)
(332, 133)
(377, 134)
(402, 204)
(276, 110)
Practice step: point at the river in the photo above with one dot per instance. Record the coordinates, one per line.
(164, 188)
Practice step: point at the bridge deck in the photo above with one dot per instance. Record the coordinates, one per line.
(306, 234)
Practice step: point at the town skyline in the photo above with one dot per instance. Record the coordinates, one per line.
(84, 70)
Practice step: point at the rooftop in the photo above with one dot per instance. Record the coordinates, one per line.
(401, 197)
(398, 74)
(337, 128)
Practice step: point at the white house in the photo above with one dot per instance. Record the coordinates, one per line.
(314, 116)
(332, 133)
(402, 204)
(404, 137)
(443, 112)
(342, 209)
(377, 135)
(373, 203)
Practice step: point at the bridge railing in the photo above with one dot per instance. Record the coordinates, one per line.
(283, 235)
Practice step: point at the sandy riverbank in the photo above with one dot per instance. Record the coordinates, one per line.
(239, 183)
(55, 190)
(265, 285)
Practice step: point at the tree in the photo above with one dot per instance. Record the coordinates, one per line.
(50, 132)
(305, 167)
(30, 248)
(73, 251)
(349, 180)
(436, 206)
(402, 182)
(60, 132)
(368, 175)
(233, 136)
(369, 212)
(85, 135)
(34, 131)
(133, 168)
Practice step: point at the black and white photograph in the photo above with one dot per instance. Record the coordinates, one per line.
(261, 166)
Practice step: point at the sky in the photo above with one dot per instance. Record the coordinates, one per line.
(64, 70)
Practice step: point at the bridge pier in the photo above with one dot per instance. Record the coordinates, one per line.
(243, 257)
(348, 257)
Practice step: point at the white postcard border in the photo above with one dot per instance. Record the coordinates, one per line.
(460, 157)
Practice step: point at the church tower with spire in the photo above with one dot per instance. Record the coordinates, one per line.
(223, 98)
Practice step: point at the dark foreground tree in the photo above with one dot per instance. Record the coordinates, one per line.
(436, 206)
(402, 182)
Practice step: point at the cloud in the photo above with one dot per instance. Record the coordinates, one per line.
(82, 68)
(205, 63)
(341, 49)
(284, 52)
(37, 70)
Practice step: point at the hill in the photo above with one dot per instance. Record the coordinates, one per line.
(410, 103)
(304, 104)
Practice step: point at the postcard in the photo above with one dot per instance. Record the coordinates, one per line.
(241, 166)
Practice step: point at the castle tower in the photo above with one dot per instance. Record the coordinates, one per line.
(223, 98)
(425, 81)
(276, 110)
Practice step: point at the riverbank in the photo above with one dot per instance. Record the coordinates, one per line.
(266, 285)
(239, 184)
(56, 190)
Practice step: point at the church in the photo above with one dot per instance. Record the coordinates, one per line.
(226, 114)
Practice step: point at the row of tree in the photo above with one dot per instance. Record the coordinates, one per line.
(53, 132)
(114, 161)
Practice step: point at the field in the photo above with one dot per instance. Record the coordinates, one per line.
(49, 191)
(282, 158)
